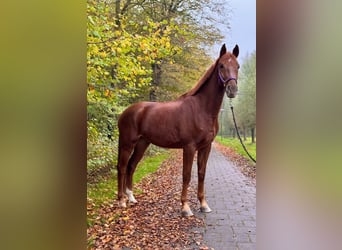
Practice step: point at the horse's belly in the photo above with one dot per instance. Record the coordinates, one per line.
(166, 139)
(174, 139)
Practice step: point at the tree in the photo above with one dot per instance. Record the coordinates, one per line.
(140, 50)
(195, 27)
(246, 100)
(118, 71)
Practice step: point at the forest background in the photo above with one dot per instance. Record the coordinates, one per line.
(154, 50)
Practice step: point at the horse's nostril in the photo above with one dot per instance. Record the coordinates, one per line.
(232, 88)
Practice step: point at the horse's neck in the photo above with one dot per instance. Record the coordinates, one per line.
(211, 95)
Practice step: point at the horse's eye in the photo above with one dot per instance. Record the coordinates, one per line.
(221, 66)
(238, 66)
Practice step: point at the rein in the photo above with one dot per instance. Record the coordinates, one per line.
(237, 131)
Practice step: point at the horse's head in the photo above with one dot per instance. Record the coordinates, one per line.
(228, 67)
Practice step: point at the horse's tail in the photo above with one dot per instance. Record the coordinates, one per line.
(118, 152)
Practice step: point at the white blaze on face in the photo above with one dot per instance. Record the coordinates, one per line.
(130, 196)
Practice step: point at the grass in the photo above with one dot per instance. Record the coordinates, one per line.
(235, 144)
(105, 190)
(149, 165)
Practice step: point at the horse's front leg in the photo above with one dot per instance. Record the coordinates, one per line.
(188, 157)
(202, 159)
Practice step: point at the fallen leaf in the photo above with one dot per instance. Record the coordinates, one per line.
(155, 221)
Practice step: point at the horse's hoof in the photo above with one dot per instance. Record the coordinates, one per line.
(205, 209)
(122, 204)
(133, 200)
(187, 213)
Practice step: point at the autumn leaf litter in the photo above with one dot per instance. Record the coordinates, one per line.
(155, 221)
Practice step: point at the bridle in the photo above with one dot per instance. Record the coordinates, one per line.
(225, 82)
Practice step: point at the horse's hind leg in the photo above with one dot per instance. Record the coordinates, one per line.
(123, 156)
(138, 153)
(202, 159)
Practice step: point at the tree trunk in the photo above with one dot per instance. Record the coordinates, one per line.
(117, 12)
(156, 75)
(252, 133)
(233, 132)
(153, 97)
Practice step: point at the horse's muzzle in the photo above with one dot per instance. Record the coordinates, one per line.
(231, 89)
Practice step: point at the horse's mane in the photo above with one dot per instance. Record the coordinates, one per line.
(201, 81)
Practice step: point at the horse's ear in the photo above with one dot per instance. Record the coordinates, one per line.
(236, 51)
(223, 50)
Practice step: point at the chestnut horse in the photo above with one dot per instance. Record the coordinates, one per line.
(190, 122)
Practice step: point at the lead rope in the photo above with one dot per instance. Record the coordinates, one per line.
(237, 131)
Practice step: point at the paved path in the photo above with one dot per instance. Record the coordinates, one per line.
(232, 197)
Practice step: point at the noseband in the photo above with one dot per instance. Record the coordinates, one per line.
(225, 82)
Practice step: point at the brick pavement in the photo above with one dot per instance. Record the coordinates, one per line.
(232, 197)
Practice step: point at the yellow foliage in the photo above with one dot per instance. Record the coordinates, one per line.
(122, 52)
(107, 93)
(117, 33)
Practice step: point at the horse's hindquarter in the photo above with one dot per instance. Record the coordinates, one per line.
(128, 122)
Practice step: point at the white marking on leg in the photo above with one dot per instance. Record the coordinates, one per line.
(130, 196)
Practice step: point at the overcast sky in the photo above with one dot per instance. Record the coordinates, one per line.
(243, 27)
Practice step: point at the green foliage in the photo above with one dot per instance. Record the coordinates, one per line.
(118, 72)
(103, 192)
(135, 48)
(246, 101)
(235, 144)
(101, 151)
(180, 76)
(244, 104)
(119, 58)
